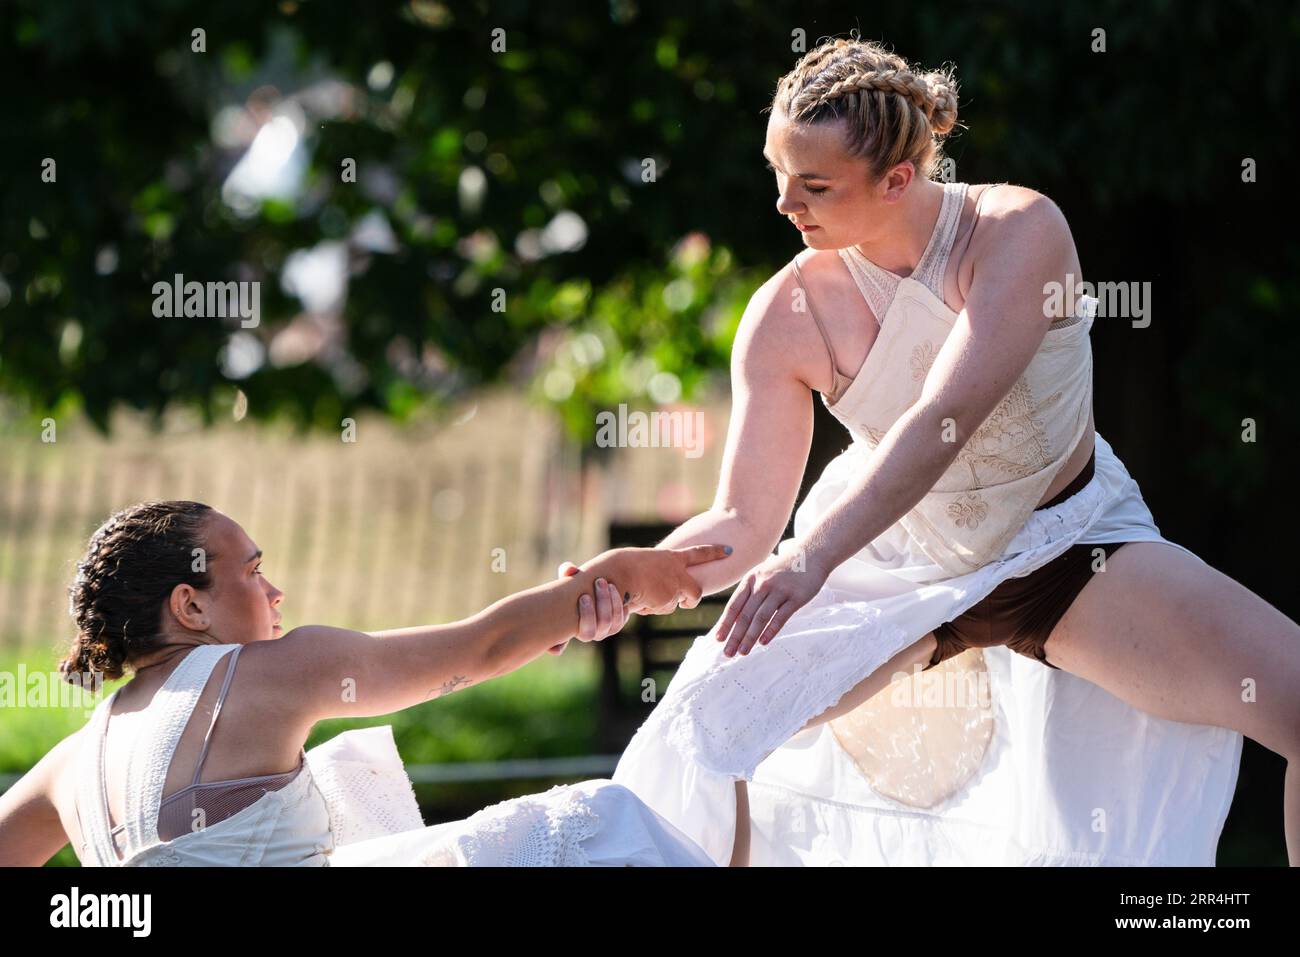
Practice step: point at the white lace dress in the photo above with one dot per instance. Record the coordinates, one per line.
(375, 820)
(591, 824)
(1030, 766)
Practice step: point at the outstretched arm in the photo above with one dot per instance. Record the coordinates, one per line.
(337, 672)
(768, 437)
(995, 336)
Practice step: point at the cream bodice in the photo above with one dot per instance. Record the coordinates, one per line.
(1001, 474)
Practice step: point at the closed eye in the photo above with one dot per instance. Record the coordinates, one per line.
(819, 189)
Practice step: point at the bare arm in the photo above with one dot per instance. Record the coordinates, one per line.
(768, 439)
(337, 672)
(31, 831)
(995, 336)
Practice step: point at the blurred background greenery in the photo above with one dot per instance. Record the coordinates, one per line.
(540, 232)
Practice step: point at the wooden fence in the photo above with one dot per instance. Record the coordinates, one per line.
(402, 526)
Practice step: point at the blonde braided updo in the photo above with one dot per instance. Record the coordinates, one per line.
(893, 112)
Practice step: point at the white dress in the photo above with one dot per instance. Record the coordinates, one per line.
(1053, 770)
(990, 757)
(352, 804)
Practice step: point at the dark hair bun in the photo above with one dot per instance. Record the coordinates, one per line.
(132, 563)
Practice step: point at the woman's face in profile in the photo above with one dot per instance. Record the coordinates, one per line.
(819, 184)
(241, 604)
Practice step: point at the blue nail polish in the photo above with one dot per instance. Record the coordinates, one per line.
(727, 549)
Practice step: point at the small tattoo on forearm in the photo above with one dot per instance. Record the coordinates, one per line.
(447, 687)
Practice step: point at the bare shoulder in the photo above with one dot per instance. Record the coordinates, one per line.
(37, 813)
(292, 675)
(1009, 211)
(279, 674)
(61, 757)
(54, 775)
(781, 329)
(777, 334)
(1016, 221)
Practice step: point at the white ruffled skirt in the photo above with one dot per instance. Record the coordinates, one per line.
(988, 758)
(374, 820)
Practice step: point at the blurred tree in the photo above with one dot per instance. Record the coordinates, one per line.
(486, 181)
(519, 165)
(527, 175)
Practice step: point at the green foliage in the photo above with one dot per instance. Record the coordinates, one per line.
(139, 126)
(652, 338)
(564, 120)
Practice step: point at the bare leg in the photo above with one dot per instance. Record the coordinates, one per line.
(1167, 633)
(740, 850)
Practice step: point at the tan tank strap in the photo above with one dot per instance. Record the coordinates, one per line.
(838, 379)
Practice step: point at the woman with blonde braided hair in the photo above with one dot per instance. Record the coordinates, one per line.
(977, 648)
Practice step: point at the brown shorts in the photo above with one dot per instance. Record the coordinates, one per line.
(1021, 612)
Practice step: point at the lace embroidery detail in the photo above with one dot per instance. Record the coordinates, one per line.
(879, 285)
(968, 510)
(163, 857)
(922, 358)
(546, 831)
(1011, 442)
(1007, 456)
(364, 785)
(1012, 439)
(727, 714)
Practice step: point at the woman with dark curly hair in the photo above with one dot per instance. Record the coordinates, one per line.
(195, 761)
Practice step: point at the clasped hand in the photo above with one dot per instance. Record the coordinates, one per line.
(766, 597)
(655, 581)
